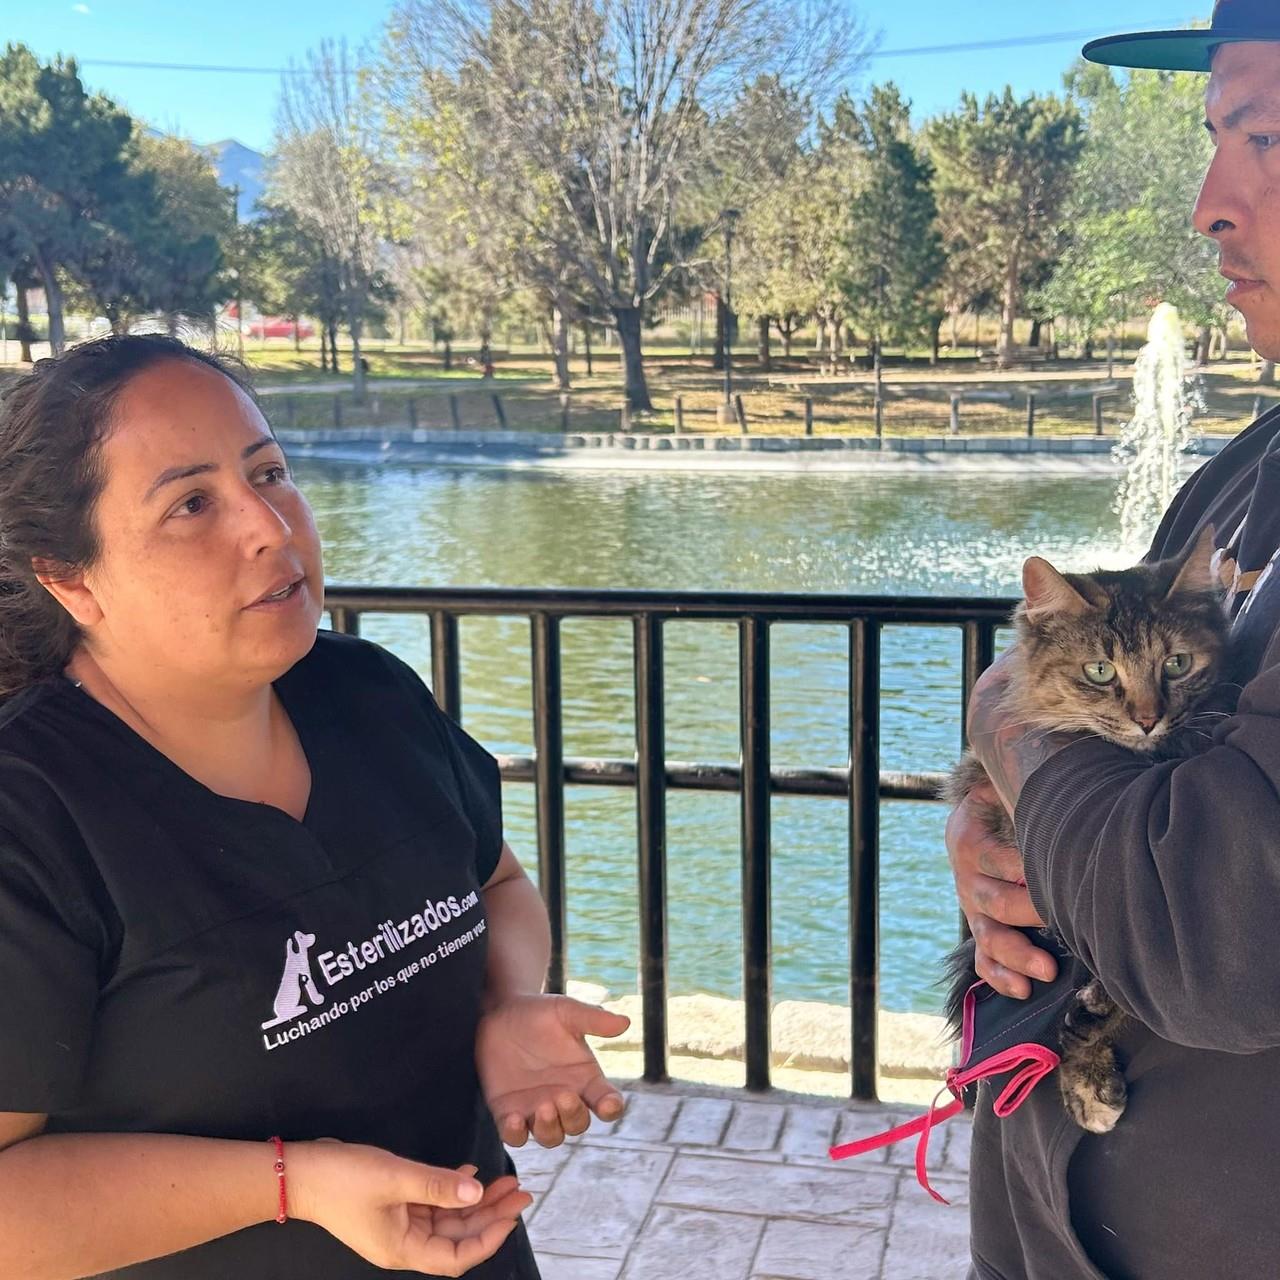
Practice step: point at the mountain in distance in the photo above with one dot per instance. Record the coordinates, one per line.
(239, 166)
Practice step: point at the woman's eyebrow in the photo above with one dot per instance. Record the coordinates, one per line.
(170, 474)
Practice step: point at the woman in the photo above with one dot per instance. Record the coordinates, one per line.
(252, 881)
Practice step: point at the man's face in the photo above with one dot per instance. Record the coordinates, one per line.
(1239, 204)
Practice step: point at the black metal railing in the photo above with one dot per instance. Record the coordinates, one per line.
(753, 776)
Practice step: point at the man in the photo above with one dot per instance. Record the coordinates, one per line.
(1163, 879)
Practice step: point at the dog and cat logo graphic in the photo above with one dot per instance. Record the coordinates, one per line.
(304, 1004)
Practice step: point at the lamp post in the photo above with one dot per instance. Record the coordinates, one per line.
(725, 415)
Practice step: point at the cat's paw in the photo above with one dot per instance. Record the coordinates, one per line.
(1097, 1106)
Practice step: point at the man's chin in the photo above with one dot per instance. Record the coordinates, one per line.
(1264, 338)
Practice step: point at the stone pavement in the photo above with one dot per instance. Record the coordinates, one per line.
(703, 1184)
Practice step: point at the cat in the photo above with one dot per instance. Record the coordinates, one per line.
(1133, 656)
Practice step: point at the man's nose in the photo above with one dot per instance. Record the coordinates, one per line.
(1217, 208)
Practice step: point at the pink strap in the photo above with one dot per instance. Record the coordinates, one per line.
(1030, 1063)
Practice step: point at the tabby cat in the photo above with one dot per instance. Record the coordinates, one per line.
(1132, 656)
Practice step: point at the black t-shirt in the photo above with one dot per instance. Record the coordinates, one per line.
(174, 961)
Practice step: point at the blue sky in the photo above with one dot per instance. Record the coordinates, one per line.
(208, 106)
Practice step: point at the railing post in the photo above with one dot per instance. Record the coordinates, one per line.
(455, 416)
(753, 683)
(864, 853)
(741, 414)
(499, 412)
(651, 830)
(808, 415)
(344, 621)
(679, 421)
(548, 741)
(445, 680)
(1031, 414)
(955, 415)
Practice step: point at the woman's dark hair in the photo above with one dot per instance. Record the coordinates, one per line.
(52, 425)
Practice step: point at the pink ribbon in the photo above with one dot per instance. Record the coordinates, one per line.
(1030, 1063)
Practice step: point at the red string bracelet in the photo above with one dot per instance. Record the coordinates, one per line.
(282, 1214)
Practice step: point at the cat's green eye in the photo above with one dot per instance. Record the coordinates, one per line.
(1099, 672)
(1177, 664)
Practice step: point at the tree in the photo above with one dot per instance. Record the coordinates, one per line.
(63, 164)
(1128, 232)
(592, 110)
(162, 242)
(327, 174)
(894, 258)
(288, 272)
(742, 157)
(1003, 173)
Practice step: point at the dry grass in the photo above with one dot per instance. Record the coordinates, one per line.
(409, 385)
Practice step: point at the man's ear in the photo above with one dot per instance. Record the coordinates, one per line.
(69, 589)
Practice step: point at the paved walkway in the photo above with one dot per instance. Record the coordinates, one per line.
(699, 1184)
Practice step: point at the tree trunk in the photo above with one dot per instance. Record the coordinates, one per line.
(786, 327)
(628, 321)
(24, 323)
(560, 346)
(935, 339)
(1203, 339)
(1008, 311)
(586, 344)
(833, 343)
(53, 298)
(1034, 340)
(1267, 374)
(333, 346)
(297, 339)
(722, 333)
(400, 318)
(762, 343)
(357, 362)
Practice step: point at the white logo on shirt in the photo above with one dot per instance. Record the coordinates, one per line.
(295, 980)
(390, 939)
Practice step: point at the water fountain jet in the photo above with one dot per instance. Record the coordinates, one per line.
(1159, 433)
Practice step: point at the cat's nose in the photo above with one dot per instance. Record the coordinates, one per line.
(1146, 723)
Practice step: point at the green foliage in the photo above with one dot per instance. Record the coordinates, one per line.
(1129, 238)
(1003, 174)
(64, 174)
(893, 251)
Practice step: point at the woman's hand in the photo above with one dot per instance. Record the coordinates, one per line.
(398, 1214)
(994, 898)
(537, 1072)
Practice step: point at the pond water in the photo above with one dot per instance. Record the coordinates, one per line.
(963, 534)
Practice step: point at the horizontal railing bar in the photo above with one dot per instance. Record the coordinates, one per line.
(729, 606)
(587, 771)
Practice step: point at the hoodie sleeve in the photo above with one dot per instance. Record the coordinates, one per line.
(1165, 878)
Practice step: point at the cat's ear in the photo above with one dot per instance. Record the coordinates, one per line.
(1197, 572)
(1047, 591)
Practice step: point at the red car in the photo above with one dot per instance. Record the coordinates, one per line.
(277, 327)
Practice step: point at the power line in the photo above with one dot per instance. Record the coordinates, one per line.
(191, 66)
(969, 46)
(975, 46)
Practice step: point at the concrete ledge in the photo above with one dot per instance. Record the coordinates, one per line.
(804, 1034)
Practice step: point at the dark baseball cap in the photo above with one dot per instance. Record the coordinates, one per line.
(1191, 49)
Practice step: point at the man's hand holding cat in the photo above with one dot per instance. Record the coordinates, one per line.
(988, 874)
(994, 901)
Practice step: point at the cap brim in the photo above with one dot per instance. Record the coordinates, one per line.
(1168, 50)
